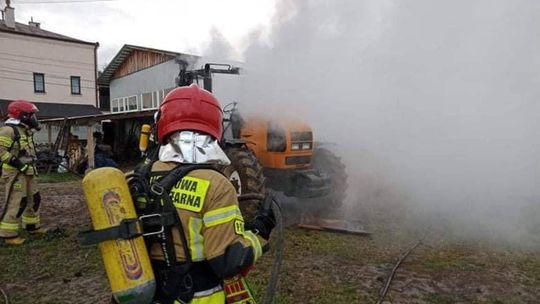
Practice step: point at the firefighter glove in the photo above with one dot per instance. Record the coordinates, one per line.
(263, 224)
(15, 162)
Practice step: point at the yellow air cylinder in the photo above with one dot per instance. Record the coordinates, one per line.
(126, 261)
(143, 139)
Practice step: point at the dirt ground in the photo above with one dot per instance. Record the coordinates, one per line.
(319, 267)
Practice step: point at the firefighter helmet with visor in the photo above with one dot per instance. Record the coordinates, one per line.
(24, 111)
(190, 108)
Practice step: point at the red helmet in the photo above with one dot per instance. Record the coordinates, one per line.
(190, 108)
(18, 107)
(24, 111)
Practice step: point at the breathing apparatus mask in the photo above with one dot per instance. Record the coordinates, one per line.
(26, 119)
(30, 119)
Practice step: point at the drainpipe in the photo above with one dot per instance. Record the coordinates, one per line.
(96, 74)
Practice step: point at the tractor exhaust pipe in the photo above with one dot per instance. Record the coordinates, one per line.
(207, 78)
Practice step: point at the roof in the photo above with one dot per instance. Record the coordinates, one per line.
(24, 29)
(106, 76)
(53, 110)
(94, 119)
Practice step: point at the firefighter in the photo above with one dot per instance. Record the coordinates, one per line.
(18, 156)
(218, 247)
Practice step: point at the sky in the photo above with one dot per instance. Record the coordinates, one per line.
(174, 25)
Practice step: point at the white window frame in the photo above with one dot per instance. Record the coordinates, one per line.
(155, 99)
(117, 102)
(151, 102)
(161, 97)
(127, 103)
(122, 104)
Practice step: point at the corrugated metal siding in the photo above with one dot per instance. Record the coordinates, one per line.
(158, 77)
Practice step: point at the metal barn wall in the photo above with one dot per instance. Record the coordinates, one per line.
(227, 88)
(158, 77)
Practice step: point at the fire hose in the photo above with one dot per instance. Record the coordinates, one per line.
(402, 258)
(278, 258)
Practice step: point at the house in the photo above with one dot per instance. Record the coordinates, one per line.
(139, 78)
(56, 72)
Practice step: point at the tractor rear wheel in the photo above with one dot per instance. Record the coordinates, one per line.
(246, 174)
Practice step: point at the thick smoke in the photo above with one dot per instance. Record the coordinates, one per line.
(434, 105)
(219, 46)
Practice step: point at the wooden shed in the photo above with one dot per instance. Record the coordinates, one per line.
(120, 130)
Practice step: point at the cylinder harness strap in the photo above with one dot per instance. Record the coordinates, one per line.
(127, 229)
(16, 136)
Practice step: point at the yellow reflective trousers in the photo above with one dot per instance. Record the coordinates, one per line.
(20, 191)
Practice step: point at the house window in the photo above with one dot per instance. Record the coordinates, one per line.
(75, 85)
(155, 99)
(114, 105)
(151, 100)
(124, 104)
(121, 104)
(132, 103)
(147, 101)
(39, 83)
(161, 96)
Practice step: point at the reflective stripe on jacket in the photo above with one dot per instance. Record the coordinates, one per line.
(25, 144)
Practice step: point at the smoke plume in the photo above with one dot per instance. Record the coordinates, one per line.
(434, 105)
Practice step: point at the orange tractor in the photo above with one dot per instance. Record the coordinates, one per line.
(279, 154)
